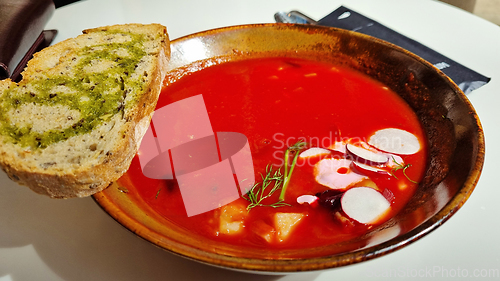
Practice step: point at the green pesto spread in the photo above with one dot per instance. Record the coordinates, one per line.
(97, 96)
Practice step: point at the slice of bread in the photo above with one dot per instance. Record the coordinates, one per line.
(74, 122)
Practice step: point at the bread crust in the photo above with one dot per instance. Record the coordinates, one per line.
(88, 179)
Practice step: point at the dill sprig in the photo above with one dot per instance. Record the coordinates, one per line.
(262, 190)
(289, 170)
(257, 193)
(401, 166)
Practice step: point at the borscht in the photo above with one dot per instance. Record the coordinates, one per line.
(335, 153)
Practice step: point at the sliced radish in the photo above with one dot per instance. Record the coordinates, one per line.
(365, 155)
(364, 204)
(309, 199)
(336, 173)
(395, 141)
(395, 161)
(338, 146)
(367, 169)
(314, 151)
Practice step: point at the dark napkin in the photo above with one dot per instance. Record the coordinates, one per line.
(467, 79)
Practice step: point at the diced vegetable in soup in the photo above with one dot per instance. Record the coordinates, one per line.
(335, 153)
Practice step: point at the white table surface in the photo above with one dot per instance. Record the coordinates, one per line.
(47, 239)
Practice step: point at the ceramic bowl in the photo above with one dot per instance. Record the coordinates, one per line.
(454, 133)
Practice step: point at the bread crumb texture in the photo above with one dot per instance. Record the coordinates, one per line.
(73, 124)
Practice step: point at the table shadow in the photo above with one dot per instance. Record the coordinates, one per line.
(78, 241)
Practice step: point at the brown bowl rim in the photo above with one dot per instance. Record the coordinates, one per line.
(274, 266)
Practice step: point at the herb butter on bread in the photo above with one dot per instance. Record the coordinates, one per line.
(74, 122)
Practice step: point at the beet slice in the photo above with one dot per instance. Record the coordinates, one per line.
(329, 199)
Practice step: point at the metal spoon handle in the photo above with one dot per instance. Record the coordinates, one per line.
(293, 17)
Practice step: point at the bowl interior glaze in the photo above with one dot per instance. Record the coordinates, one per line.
(454, 133)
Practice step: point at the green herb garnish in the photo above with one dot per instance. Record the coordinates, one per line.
(260, 191)
(289, 170)
(276, 179)
(401, 166)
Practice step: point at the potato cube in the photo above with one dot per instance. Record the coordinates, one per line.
(232, 217)
(285, 223)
